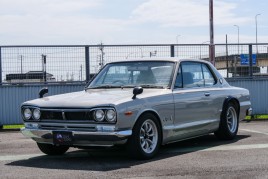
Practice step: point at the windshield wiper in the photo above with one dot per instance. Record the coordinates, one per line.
(152, 86)
(104, 86)
(127, 86)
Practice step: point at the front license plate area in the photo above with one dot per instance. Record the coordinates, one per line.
(62, 138)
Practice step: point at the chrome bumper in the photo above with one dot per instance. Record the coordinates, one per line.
(81, 138)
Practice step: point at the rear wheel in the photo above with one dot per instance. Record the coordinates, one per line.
(145, 140)
(50, 149)
(229, 123)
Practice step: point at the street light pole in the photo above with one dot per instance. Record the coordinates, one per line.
(177, 42)
(256, 18)
(141, 52)
(237, 37)
(177, 37)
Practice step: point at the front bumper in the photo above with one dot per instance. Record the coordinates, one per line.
(80, 138)
(249, 112)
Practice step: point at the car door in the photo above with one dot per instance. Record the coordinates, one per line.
(193, 101)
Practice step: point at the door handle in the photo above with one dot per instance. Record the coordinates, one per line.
(207, 94)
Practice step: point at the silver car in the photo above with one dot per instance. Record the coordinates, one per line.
(140, 103)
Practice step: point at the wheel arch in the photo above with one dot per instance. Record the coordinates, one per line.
(233, 100)
(157, 118)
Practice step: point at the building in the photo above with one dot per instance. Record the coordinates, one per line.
(30, 77)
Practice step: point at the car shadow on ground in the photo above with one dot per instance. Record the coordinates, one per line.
(117, 158)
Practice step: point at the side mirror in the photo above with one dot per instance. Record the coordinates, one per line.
(42, 92)
(136, 91)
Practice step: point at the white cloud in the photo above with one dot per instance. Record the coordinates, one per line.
(87, 22)
(185, 13)
(46, 7)
(46, 21)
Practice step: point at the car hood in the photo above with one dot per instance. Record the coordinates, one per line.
(89, 98)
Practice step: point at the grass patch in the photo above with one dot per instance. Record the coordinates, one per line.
(13, 126)
(257, 116)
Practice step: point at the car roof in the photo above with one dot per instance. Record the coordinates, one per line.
(169, 59)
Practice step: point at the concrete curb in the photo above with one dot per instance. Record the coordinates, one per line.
(9, 130)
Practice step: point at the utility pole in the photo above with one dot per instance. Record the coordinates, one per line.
(141, 52)
(44, 70)
(153, 54)
(21, 64)
(211, 45)
(81, 72)
(101, 48)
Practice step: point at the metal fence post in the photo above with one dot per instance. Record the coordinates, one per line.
(0, 66)
(87, 63)
(172, 51)
(250, 60)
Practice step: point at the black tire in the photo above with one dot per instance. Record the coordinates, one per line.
(229, 123)
(146, 131)
(52, 149)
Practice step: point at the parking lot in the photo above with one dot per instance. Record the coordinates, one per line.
(203, 157)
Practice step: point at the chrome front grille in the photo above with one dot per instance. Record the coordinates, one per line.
(77, 116)
(51, 115)
(64, 115)
(67, 115)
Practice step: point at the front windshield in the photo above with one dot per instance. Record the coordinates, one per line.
(148, 74)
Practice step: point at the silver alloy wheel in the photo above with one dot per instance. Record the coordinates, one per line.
(148, 136)
(232, 119)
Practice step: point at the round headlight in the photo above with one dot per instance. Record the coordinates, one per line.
(110, 115)
(36, 114)
(99, 115)
(27, 113)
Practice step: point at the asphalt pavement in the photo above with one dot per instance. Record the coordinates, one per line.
(203, 157)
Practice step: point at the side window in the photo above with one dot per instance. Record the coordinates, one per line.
(208, 77)
(178, 82)
(192, 75)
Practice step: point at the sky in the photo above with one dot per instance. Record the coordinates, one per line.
(90, 22)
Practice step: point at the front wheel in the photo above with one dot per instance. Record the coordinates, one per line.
(229, 123)
(145, 140)
(52, 149)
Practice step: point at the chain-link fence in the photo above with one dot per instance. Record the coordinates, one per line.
(242, 60)
(62, 64)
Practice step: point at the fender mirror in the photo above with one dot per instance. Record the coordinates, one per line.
(42, 92)
(137, 90)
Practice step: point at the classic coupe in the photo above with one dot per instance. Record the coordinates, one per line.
(141, 104)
